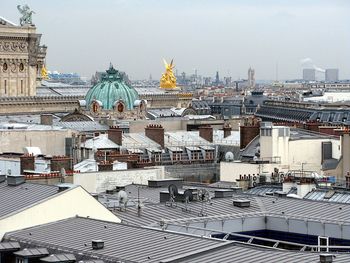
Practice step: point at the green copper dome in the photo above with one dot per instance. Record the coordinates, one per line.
(110, 90)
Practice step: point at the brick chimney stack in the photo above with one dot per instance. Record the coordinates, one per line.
(115, 134)
(156, 133)
(46, 119)
(105, 166)
(27, 162)
(227, 130)
(248, 131)
(206, 132)
(59, 162)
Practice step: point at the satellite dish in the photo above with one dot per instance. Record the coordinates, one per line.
(188, 196)
(229, 157)
(122, 198)
(172, 194)
(173, 191)
(255, 158)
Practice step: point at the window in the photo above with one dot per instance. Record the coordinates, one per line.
(323, 241)
(209, 155)
(21, 86)
(21, 67)
(19, 260)
(4, 67)
(177, 156)
(157, 157)
(5, 84)
(266, 132)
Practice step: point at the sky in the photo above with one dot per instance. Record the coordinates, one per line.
(228, 36)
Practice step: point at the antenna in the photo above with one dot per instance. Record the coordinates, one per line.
(123, 199)
(277, 71)
(173, 191)
(204, 198)
(63, 175)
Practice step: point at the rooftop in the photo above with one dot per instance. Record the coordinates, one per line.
(14, 198)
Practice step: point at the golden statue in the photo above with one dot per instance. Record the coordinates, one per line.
(168, 80)
(44, 74)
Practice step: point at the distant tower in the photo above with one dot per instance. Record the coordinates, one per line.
(251, 78)
(332, 75)
(309, 74)
(217, 79)
(150, 77)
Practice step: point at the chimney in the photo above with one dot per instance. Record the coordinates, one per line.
(59, 162)
(105, 166)
(46, 119)
(227, 130)
(347, 180)
(155, 132)
(27, 162)
(83, 138)
(206, 132)
(326, 258)
(115, 134)
(248, 131)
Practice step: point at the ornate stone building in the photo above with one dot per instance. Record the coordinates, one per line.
(21, 59)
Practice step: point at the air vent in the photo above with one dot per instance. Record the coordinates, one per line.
(326, 258)
(95, 195)
(2, 178)
(63, 187)
(165, 182)
(241, 202)
(222, 193)
(14, 180)
(97, 244)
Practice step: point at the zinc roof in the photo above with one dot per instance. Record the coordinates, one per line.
(14, 198)
(121, 242)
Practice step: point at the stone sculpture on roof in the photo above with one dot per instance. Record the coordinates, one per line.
(26, 15)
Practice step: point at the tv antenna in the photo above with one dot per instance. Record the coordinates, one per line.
(204, 198)
(123, 199)
(173, 191)
(63, 175)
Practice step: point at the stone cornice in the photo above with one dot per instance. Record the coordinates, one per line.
(39, 99)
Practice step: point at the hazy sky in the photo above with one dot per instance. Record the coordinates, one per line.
(229, 36)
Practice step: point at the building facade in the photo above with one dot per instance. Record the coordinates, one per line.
(309, 74)
(21, 59)
(332, 75)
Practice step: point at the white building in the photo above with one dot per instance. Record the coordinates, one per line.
(309, 74)
(332, 75)
(25, 205)
(285, 149)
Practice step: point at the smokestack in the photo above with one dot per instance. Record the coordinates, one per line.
(206, 132)
(156, 133)
(115, 134)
